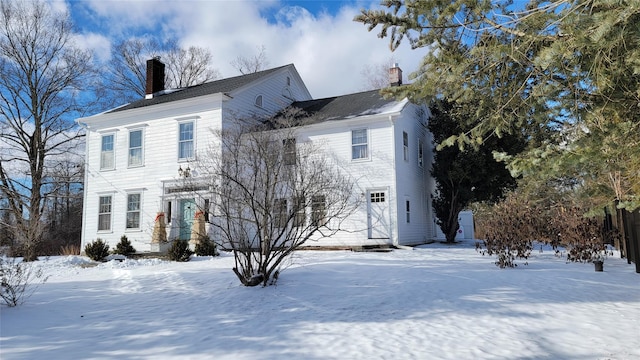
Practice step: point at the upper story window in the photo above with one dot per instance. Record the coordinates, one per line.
(135, 148)
(185, 141)
(289, 151)
(107, 155)
(420, 152)
(259, 100)
(288, 81)
(405, 145)
(104, 213)
(359, 144)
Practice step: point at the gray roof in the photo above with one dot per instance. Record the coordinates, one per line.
(213, 87)
(349, 106)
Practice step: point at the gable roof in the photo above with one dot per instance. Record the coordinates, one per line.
(349, 106)
(217, 86)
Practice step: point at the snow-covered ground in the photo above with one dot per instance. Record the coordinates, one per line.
(434, 302)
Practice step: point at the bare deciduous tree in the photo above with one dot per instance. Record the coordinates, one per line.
(63, 211)
(42, 73)
(376, 76)
(187, 67)
(273, 192)
(253, 64)
(184, 67)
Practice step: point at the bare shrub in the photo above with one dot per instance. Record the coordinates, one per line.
(18, 280)
(583, 237)
(274, 192)
(510, 228)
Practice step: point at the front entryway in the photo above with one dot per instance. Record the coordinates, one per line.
(378, 214)
(187, 214)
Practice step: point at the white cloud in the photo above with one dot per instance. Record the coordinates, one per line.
(328, 50)
(100, 45)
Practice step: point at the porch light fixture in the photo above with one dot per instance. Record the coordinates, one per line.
(184, 173)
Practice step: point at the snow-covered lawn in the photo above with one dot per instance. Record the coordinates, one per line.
(434, 302)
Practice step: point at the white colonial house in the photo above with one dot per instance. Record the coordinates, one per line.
(138, 154)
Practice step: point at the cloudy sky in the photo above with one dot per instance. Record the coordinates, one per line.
(320, 38)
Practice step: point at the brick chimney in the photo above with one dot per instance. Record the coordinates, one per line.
(395, 76)
(155, 77)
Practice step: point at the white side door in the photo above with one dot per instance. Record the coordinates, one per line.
(378, 214)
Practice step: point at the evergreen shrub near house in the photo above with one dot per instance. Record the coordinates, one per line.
(124, 247)
(97, 250)
(206, 247)
(179, 251)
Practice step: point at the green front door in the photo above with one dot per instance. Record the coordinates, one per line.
(187, 213)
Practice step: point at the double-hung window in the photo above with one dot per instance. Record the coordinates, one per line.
(289, 151)
(280, 213)
(135, 148)
(104, 213)
(359, 144)
(133, 211)
(318, 210)
(107, 156)
(185, 141)
(299, 210)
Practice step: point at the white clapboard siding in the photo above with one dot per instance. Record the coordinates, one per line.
(384, 170)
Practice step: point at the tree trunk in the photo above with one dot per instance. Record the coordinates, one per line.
(253, 281)
(452, 227)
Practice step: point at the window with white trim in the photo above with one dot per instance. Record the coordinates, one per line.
(289, 151)
(405, 145)
(107, 154)
(133, 211)
(318, 210)
(300, 216)
(420, 152)
(359, 144)
(185, 141)
(408, 209)
(135, 147)
(104, 213)
(259, 101)
(280, 213)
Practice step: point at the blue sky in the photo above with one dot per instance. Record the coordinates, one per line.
(320, 38)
